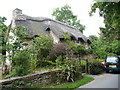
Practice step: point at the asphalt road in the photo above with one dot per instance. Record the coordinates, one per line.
(107, 80)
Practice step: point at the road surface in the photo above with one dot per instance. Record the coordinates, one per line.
(107, 80)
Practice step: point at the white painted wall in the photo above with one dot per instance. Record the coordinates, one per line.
(55, 38)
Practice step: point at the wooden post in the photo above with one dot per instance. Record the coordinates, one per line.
(79, 58)
(86, 65)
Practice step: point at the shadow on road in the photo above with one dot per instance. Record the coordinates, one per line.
(114, 72)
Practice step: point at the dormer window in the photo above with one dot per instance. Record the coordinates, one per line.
(80, 40)
(48, 29)
(88, 41)
(36, 36)
(61, 39)
(72, 38)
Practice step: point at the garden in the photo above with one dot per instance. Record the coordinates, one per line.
(42, 55)
(32, 56)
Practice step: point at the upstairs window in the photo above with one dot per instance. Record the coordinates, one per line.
(61, 39)
(80, 40)
(72, 38)
(48, 29)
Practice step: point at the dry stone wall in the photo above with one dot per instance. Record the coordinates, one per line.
(38, 79)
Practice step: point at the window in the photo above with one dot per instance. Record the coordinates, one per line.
(80, 40)
(48, 29)
(61, 39)
(112, 59)
(72, 38)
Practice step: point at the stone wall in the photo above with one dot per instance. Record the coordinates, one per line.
(38, 79)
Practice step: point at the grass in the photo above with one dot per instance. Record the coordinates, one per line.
(75, 84)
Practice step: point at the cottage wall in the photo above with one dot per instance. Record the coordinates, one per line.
(55, 38)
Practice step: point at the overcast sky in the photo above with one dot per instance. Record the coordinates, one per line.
(44, 8)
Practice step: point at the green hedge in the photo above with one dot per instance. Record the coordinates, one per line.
(95, 67)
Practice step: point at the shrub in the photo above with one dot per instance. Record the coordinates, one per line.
(95, 67)
(70, 71)
(83, 68)
(59, 49)
(21, 63)
(40, 48)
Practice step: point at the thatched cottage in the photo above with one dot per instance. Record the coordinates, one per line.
(53, 28)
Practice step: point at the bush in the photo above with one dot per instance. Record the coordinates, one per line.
(21, 63)
(95, 67)
(71, 71)
(59, 49)
(83, 68)
(40, 48)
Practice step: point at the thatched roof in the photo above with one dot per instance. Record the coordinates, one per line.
(38, 25)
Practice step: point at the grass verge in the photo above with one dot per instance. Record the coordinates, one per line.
(75, 84)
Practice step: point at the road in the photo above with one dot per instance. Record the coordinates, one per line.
(107, 80)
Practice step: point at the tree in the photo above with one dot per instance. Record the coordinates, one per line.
(3, 30)
(40, 48)
(14, 47)
(22, 63)
(93, 38)
(65, 15)
(16, 40)
(110, 11)
(110, 34)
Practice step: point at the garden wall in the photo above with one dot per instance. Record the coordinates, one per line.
(38, 79)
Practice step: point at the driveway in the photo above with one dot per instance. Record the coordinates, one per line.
(106, 80)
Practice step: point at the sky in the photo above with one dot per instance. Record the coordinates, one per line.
(44, 8)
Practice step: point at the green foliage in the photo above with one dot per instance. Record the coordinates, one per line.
(33, 64)
(109, 36)
(21, 84)
(93, 38)
(115, 47)
(17, 84)
(71, 70)
(59, 49)
(71, 86)
(59, 61)
(16, 41)
(110, 11)
(78, 49)
(20, 32)
(20, 58)
(76, 84)
(65, 15)
(66, 36)
(81, 50)
(3, 33)
(40, 48)
(101, 48)
(95, 67)
(21, 63)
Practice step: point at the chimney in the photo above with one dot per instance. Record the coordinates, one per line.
(17, 12)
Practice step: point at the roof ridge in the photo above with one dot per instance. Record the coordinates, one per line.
(45, 19)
